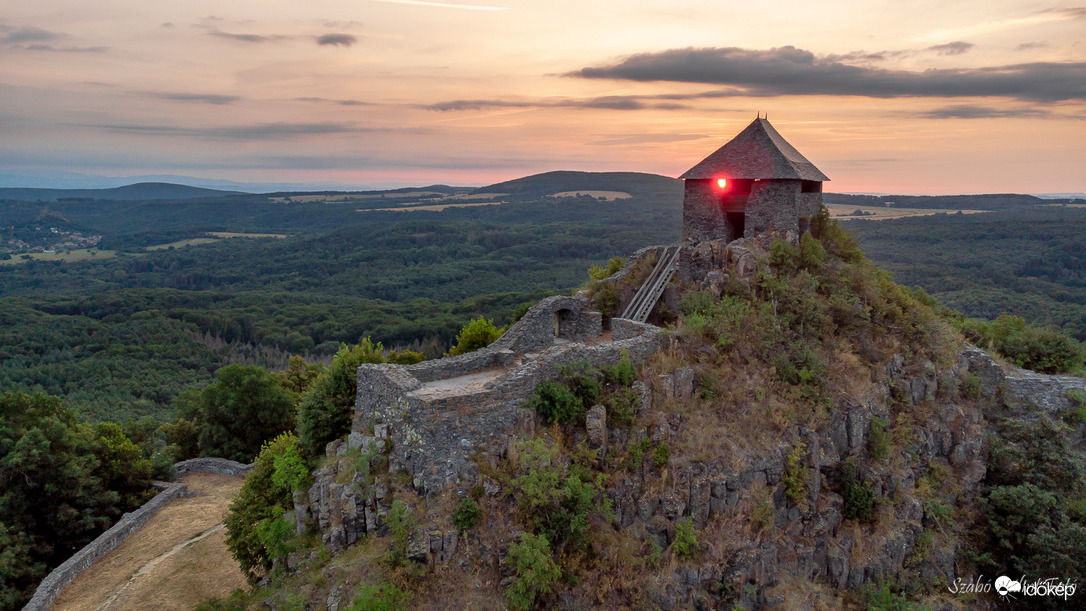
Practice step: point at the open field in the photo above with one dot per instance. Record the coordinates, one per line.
(434, 207)
(607, 195)
(881, 213)
(82, 254)
(228, 234)
(1068, 205)
(183, 243)
(176, 560)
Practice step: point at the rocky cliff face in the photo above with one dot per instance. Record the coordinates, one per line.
(766, 467)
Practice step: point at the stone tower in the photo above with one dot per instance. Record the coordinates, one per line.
(755, 182)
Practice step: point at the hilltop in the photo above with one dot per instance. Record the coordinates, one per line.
(146, 191)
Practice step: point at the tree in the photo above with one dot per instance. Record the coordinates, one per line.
(478, 333)
(57, 479)
(325, 410)
(263, 499)
(242, 408)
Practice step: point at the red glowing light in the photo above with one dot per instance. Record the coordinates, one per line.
(722, 183)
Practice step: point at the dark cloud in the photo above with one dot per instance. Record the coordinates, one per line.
(338, 40)
(203, 98)
(167, 25)
(257, 132)
(31, 34)
(965, 111)
(952, 48)
(791, 71)
(244, 37)
(1030, 45)
(66, 49)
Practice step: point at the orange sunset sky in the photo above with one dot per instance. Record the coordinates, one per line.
(884, 96)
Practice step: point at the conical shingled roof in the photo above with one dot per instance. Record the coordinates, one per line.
(757, 152)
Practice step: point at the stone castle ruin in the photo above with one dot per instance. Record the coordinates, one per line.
(439, 416)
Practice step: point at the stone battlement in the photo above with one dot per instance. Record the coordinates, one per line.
(439, 413)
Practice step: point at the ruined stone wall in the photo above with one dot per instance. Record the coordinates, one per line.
(221, 466)
(435, 435)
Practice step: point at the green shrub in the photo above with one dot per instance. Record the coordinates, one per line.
(697, 302)
(795, 477)
(381, 597)
(1037, 348)
(556, 498)
(686, 539)
(859, 498)
(878, 440)
(622, 407)
(1077, 413)
(614, 264)
(783, 256)
(661, 455)
(477, 334)
(605, 296)
(970, 386)
(555, 402)
(466, 514)
(400, 523)
(812, 256)
(535, 571)
(622, 372)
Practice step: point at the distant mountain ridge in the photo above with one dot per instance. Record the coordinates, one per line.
(139, 191)
(548, 183)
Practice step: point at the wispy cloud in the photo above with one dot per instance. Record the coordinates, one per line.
(952, 48)
(338, 40)
(203, 98)
(1026, 46)
(790, 71)
(31, 34)
(255, 132)
(57, 49)
(256, 38)
(610, 102)
(965, 111)
(987, 27)
(340, 102)
(468, 7)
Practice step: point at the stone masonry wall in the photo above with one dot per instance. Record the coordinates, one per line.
(772, 205)
(435, 435)
(56, 581)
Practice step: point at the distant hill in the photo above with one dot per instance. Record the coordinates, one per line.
(138, 191)
(548, 183)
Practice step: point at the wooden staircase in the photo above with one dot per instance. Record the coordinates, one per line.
(641, 305)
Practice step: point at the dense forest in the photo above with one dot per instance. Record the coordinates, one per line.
(162, 303)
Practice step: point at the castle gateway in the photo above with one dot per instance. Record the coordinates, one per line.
(754, 183)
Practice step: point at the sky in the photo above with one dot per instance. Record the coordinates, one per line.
(902, 96)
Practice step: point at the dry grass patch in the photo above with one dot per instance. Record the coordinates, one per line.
(165, 564)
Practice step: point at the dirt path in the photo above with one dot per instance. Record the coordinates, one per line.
(174, 561)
